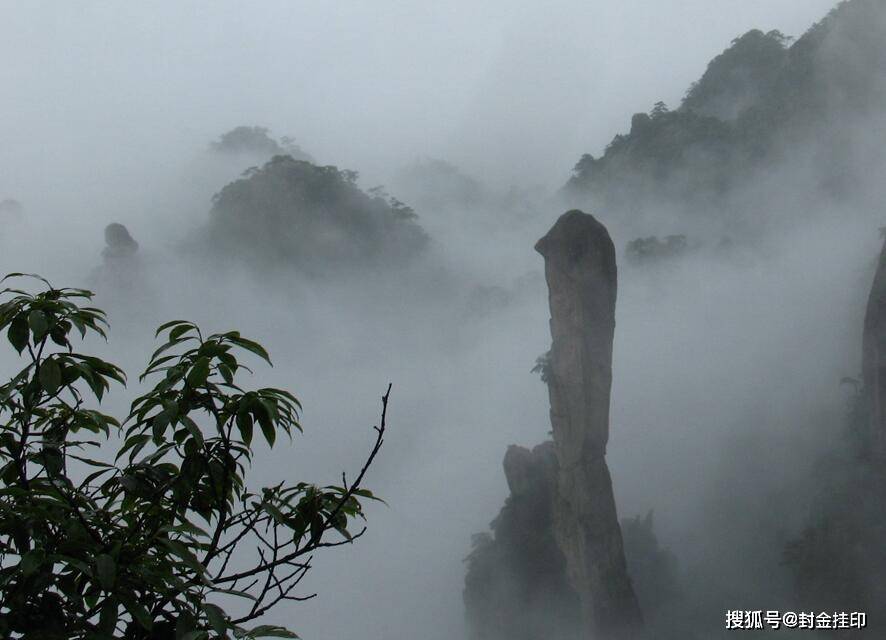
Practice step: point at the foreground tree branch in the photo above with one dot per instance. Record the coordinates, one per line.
(145, 546)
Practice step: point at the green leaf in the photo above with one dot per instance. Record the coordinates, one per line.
(244, 424)
(318, 526)
(217, 619)
(185, 626)
(108, 616)
(199, 373)
(138, 441)
(106, 570)
(254, 347)
(344, 533)
(38, 323)
(141, 615)
(18, 334)
(185, 554)
(193, 429)
(50, 376)
(187, 527)
(180, 330)
(59, 335)
(167, 346)
(235, 592)
(168, 325)
(158, 426)
(267, 427)
(276, 514)
(270, 631)
(226, 373)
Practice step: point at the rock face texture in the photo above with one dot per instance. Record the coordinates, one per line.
(874, 361)
(582, 280)
(556, 567)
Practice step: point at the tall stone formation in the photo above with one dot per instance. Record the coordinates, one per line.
(874, 361)
(582, 279)
(555, 568)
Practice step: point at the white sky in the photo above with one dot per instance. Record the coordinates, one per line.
(515, 91)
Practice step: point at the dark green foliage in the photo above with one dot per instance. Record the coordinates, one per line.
(679, 152)
(740, 76)
(543, 367)
(291, 212)
(138, 546)
(757, 103)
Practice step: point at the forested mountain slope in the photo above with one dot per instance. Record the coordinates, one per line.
(768, 114)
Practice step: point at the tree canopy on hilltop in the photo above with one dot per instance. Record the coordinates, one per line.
(292, 212)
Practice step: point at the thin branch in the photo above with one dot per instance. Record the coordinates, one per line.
(314, 542)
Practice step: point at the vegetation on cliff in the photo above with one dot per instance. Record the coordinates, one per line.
(757, 105)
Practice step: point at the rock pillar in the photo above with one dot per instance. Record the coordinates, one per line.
(582, 278)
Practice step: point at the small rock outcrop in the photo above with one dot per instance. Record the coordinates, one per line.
(561, 513)
(516, 586)
(119, 243)
(120, 276)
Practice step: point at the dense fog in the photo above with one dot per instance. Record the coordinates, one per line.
(729, 352)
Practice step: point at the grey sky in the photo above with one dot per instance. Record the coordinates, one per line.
(515, 90)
